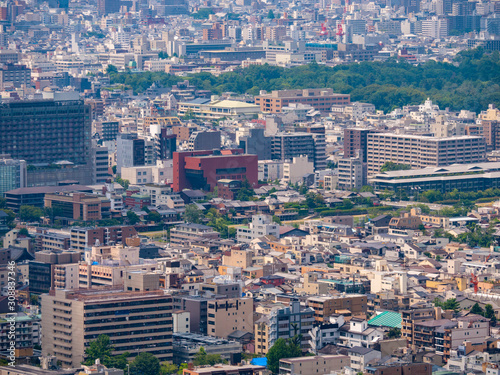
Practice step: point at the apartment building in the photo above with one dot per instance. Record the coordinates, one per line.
(324, 306)
(261, 225)
(27, 333)
(324, 364)
(351, 173)
(52, 240)
(41, 272)
(446, 335)
(286, 146)
(415, 316)
(189, 232)
(229, 290)
(320, 99)
(225, 370)
(422, 151)
(295, 169)
(356, 141)
(108, 265)
(228, 315)
(283, 323)
(78, 206)
(65, 276)
(82, 238)
(137, 317)
(239, 258)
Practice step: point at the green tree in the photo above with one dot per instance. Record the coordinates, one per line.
(168, 368)
(23, 232)
(394, 333)
(182, 366)
(347, 204)
(3, 203)
(192, 214)
(391, 166)
(282, 348)
(132, 217)
(451, 304)
(367, 189)
(202, 358)
(124, 183)
(30, 213)
(476, 309)
(276, 219)
(100, 348)
(490, 314)
(145, 364)
(11, 216)
(270, 14)
(246, 191)
(154, 216)
(111, 69)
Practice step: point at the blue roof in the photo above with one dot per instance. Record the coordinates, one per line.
(387, 319)
(259, 361)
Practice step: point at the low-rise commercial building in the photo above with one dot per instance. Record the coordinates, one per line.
(463, 177)
(322, 365)
(320, 99)
(217, 109)
(324, 306)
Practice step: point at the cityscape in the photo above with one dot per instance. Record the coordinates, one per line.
(249, 187)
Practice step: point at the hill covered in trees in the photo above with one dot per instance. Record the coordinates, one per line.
(471, 82)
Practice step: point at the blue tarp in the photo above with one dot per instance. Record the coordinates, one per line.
(259, 361)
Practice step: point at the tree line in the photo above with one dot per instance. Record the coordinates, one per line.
(471, 82)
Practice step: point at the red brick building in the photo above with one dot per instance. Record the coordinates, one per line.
(202, 169)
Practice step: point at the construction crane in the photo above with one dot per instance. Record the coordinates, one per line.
(341, 26)
(473, 280)
(324, 31)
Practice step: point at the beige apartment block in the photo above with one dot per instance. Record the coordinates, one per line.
(324, 306)
(228, 315)
(238, 258)
(422, 151)
(136, 319)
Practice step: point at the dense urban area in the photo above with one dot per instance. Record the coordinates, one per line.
(249, 187)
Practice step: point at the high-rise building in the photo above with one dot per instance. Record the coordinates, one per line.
(100, 164)
(204, 140)
(137, 317)
(256, 143)
(355, 140)
(352, 174)
(12, 174)
(130, 151)
(108, 6)
(283, 323)
(15, 75)
(286, 146)
(166, 144)
(435, 27)
(422, 151)
(46, 131)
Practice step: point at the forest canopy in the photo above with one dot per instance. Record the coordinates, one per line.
(471, 82)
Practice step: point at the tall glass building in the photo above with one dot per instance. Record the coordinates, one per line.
(12, 174)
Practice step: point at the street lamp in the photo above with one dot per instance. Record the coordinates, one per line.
(128, 369)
